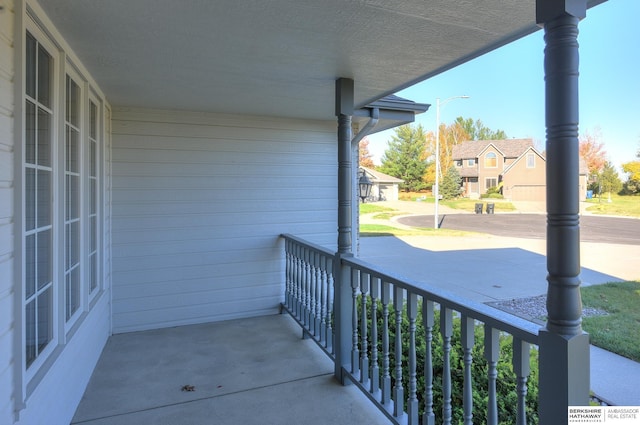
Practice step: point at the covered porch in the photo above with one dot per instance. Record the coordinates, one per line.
(254, 370)
(177, 167)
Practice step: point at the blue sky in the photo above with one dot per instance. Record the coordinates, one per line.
(506, 86)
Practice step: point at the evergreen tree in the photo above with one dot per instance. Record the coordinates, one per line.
(450, 186)
(405, 157)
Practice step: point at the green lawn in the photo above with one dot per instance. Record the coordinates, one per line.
(620, 205)
(619, 330)
(373, 208)
(367, 230)
(470, 204)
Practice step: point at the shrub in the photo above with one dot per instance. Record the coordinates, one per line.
(505, 385)
(492, 196)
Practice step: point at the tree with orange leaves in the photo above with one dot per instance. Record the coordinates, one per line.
(591, 149)
(365, 157)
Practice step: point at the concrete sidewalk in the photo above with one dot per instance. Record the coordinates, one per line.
(487, 268)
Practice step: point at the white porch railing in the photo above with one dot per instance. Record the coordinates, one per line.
(416, 353)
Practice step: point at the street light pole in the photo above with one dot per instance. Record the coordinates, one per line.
(436, 192)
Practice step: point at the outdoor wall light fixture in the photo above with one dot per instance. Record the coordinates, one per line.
(364, 185)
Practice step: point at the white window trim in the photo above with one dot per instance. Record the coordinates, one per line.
(30, 18)
(100, 139)
(486, 182)
(533, 160)
(52, 49)
(495, 156)
(82, 134)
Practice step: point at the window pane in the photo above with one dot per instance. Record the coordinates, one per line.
(73, 102)
(73, 150)
(93, 120)
(30, 331)
(73, 193)
(92, 159)
(45, 73)
(44, 138)
(93, 272)
(92, 196)
(43, 198)
(73, 292)
(30, 71)
(30, 198)
(30, 133)
(30, 266)
(93, 233)
(45, 319)
(75, 242)
(72, 244)
(44, 258)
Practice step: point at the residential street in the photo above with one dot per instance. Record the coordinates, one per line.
(600, 229)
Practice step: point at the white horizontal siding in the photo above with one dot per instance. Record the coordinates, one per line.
(199, 201)
(7, 291)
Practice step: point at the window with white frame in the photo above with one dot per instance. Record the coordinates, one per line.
(490, 160)
(490, 182)
(62, 202)
(93, 198)
(38, 255)
(531, 160)
(471, 162)
(72, 196)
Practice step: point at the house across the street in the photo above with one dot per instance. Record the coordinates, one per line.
(514, 165)
(383, 186)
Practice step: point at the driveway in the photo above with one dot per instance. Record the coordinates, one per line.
(615, 230)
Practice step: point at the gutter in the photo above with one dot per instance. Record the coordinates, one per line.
(369, 126)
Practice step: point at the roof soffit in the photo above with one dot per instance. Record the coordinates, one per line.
(280, 57)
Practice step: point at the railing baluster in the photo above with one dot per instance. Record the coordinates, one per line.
(398, 389)
(287, 273)
(521, 367)
(355, 353)
(428, 418)
(386, 376)
(412, 404)
(323, 300)
(330, 294)
(312, 292)
(364, 355)
(467, 332)
(375, 369)
(446, 329)
(318, 296)
(491, 353)
(307, 287)
(299, 279)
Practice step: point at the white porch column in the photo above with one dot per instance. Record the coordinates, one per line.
(342, 295)
(564, 347)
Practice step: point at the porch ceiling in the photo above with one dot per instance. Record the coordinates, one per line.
(278, 57)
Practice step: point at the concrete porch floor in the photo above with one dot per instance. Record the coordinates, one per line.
(248, 371)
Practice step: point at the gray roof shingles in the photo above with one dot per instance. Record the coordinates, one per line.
(511, 148)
